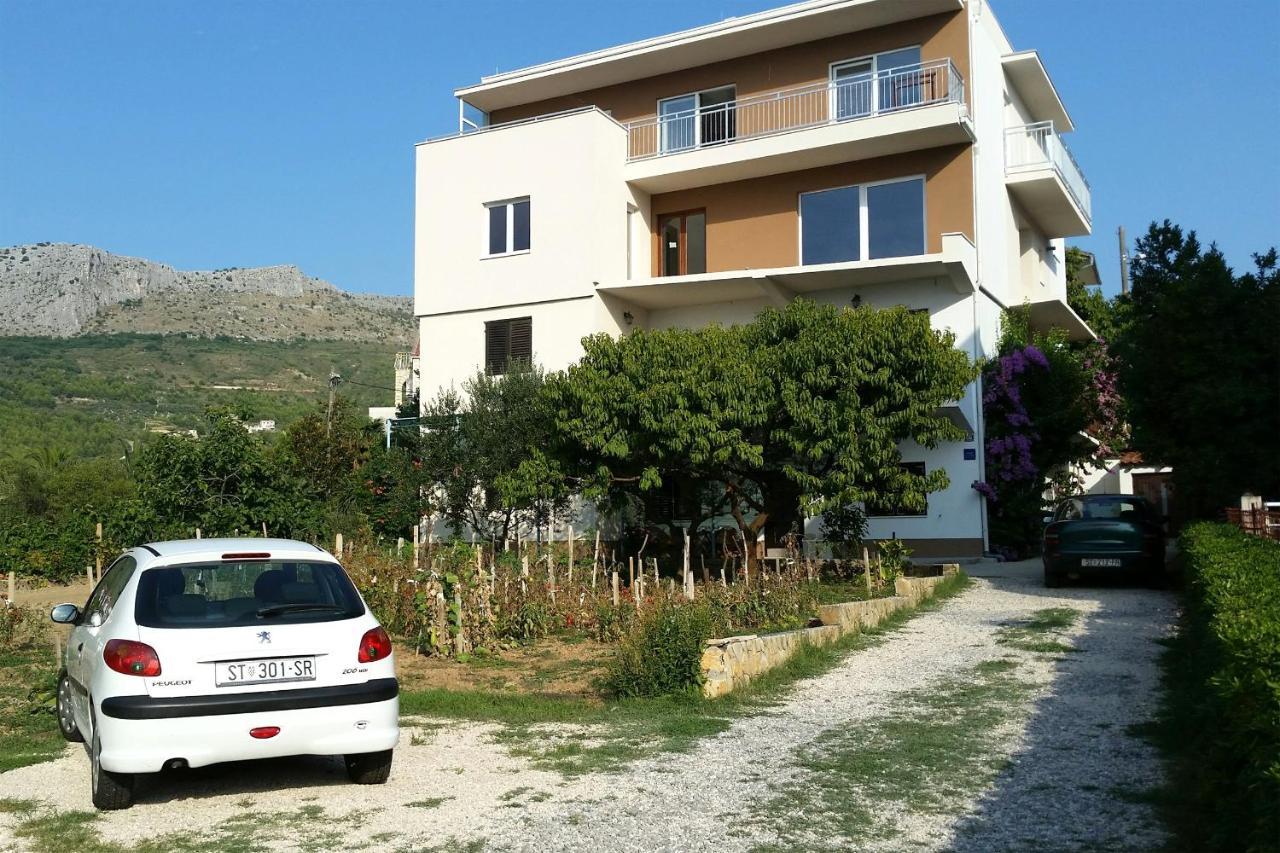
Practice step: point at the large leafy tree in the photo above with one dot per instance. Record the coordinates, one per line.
(1200, 368)
(474, 442)
(799, 411)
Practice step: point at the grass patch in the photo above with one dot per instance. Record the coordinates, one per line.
(308, 828)
(932, 753)
(578, 736)
(428, 803)
(1041, 632)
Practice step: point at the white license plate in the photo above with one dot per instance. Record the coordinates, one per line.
(265, 671)
(1101, 562)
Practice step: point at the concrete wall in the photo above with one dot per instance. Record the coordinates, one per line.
(731, 662)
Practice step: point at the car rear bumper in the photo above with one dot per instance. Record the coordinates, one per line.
(158, 731)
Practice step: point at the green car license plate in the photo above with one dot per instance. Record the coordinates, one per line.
(1100, 563)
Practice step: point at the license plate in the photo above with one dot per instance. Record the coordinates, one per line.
(1101, 562)
(266, 671)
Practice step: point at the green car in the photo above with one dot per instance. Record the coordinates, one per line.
(1104, 535)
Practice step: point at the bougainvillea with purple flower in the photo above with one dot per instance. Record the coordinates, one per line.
(1040, 396)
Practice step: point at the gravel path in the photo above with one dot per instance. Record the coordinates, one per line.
(1072, 780)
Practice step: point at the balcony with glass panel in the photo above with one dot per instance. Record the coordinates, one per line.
(869, 108)
(1046, 180)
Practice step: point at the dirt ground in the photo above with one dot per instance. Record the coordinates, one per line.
(565, 667)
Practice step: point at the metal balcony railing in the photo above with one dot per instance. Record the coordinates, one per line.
(843, 99)
(1038, 146)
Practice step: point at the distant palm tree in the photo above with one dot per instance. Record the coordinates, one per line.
(47, 460)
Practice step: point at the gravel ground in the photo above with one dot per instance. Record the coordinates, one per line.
(1073, 779)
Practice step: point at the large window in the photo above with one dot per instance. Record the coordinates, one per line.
(875, 510)
(701, 118)
(508, 226)
(873, 84)
(508, 345)
(881, 220)
(684, 242)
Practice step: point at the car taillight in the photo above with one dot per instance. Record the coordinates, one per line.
(374, 645)
(129, 657)
(264, 732)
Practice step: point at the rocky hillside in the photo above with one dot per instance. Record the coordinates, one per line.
(64, 289)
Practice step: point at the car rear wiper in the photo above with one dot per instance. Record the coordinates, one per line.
(277, 609)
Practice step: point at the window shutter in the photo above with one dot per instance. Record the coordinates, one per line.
(521, 341)
(497, 345)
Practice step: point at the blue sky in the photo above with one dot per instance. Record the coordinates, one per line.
(241, 133)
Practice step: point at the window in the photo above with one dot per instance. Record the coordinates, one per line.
(258, 592)
(882, 220)
(873, 84)
(829, 226)
(508, 226)
(684, 243)
(708, 117)
(508, 344)
(881, 510)
(107, 592)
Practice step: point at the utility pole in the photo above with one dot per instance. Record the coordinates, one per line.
(1124, 261)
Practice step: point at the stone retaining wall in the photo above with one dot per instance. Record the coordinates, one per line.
(733, 661)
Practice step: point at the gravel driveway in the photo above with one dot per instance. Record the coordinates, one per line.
(996, 722)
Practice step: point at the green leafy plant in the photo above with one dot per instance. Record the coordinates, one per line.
(895, 560)
(663, 654)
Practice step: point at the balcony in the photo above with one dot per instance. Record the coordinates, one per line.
(955, 266)
(855, 118)
(1041, 173)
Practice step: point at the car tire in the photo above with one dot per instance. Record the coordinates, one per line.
(66, 719)
(1051, 580)
(369, 768)
(111, 791)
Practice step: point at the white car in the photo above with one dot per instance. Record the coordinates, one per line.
(207, 650)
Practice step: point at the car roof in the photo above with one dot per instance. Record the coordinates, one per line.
(215, 548)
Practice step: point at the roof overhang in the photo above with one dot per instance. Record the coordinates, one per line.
(1027, 74)
(727, 39)
(1087, 273)
(1056, 314)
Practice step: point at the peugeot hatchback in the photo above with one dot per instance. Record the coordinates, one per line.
(206, 650)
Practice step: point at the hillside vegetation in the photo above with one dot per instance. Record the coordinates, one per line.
(87, 395)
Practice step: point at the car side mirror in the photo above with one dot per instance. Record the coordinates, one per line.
(65, 614)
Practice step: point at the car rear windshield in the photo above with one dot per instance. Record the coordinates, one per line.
(1111, 509)
(228, 593)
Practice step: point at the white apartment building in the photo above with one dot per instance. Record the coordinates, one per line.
(873, 152)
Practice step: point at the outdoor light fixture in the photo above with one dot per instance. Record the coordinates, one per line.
(628, 318)
(856, 301)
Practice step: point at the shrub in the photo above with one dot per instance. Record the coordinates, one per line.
(663, 652)
(1225, 690)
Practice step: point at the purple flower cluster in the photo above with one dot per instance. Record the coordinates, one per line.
(1009, 455)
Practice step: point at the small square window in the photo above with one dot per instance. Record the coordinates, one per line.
(509, 226)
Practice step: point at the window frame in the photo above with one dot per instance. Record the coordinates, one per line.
(864, 218)
(510, 205)
(697, 117)
(683, 264)
(874, 59)
(489, 368)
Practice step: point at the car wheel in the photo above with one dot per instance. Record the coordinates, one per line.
(110, 790)
(369, 768)
(1052, 580)
(66, 719)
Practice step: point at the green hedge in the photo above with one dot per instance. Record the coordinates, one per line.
(1225, 691)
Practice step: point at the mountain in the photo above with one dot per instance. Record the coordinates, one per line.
(67, 289)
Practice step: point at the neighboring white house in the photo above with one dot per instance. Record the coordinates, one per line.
(878, 151)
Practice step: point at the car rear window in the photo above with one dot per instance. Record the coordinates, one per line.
(1112, 509)
(229, 593)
